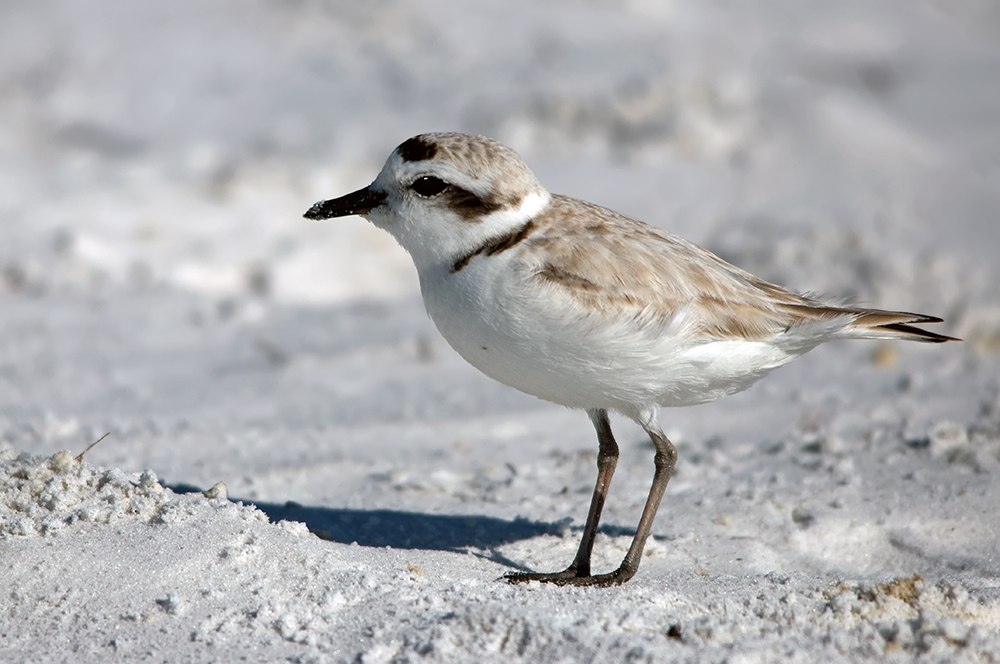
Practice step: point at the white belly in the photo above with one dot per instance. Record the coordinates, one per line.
(538, 340)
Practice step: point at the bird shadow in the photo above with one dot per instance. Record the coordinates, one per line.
(412, 530)
(409, 530)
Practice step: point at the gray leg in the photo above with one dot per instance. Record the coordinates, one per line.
(664, 462)
(578, 573)
(607, 459)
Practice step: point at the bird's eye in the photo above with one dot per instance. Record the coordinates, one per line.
(428, 185)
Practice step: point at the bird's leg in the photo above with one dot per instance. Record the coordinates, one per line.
(664, 461)
(607, 459)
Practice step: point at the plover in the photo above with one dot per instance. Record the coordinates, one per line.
(584, 307)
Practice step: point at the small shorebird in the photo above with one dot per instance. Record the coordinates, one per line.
(584, 307)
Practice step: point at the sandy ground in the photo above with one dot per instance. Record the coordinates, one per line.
(157, 282)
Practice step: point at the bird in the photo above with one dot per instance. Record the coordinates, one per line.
(584, 307)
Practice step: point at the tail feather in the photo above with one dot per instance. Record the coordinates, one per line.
(873, 323)
(916, 334)
(878, 324)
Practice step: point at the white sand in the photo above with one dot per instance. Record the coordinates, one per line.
(157, 282)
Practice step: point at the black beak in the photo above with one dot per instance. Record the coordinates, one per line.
(361, 201)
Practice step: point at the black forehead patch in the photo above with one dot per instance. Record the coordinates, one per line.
(417, 148)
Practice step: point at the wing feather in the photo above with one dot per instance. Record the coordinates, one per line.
(617, 266)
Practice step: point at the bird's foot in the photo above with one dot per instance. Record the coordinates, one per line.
(569, 577)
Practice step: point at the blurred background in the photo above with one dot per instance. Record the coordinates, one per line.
(156, 158)
(179, 143)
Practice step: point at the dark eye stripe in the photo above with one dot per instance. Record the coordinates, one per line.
(469, 206)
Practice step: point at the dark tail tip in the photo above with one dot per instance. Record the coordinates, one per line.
(917, 333)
